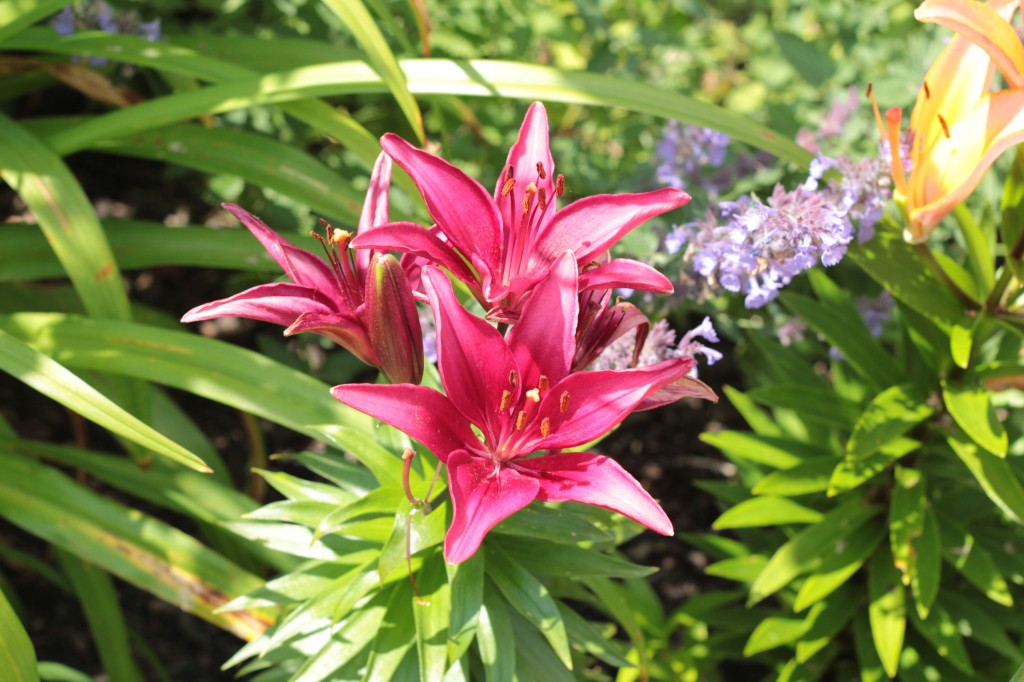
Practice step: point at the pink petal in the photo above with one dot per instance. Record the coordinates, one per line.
(301, 266)
(280, 303)
(625, 273)
(475, 363)
(598, 329)
(544, 339)
(415, 240)
(530, 148)
(597, 480)
(345, 329)
(459, 205)
(422, 413)
(483, 494)
(590, 226)
(375, 207)
(597, 401)
(687, 387)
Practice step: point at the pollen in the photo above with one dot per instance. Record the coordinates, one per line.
(542, 198)
(506, 400)
(945, 128)
(520, 421)
(560, 185)
(563, 402)
(927, 92)
(540, 170)
(507, 187)
(542, 382)
(531, 190)
(513, 377)
(534, 395)
(545, 427)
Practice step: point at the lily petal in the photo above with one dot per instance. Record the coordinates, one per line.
(607, 325)
(280, 303)
(301, 266)
(983, 25)
(476, 364)
(344, 329)
(459, 205)
(628, 273)
(414, 240)
(483, 494)
(586, 417)
(957, 164)
(544, 339)
(375, 207)
(594, 479)
(590, 226)
(530, 148)
(687, 387)
(423, 413)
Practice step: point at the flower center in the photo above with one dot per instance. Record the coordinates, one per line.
(527, 213)
(520, 422)
(343, 262)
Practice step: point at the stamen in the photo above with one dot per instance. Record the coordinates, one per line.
(510, 173)
(534, 395)
(406, 466)
(531, 189)
(506, 400)
(520, 421)
(563, 402)
(945, 128)
(513, 378)
(540, 171)
(893, 117)
(560, 185)
(542, 198)
(927, 91)
(545, 427)
(542, 382)
(507, 187)
(878, 114)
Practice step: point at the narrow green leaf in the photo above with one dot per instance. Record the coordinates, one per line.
(780, 453)
(973, 620)
(819, 405)
(39, 176)
(742, 569)
(431, 615)
(804, 551)
(559, 559)
(774, 632)
(586, 637)
(1011, 225)
(495, 639)
(961, 339)
(534, 658)
(844, 329)
(57, 382)
(970, 407)
(354, 634)
(759, 420)
(886, 611)
(906, 519)
(839, 565)
(17, 657)
(467, 593)
(57, 672)
(895, 265)
(925, 581)
(826, 619)
(852, 473)
(889, 415)
(995, 476)
(563, 525)
(368, 35)
(974, 563)
(95, 591)
(396, 636)
(979, 251)
(529, 597)
(411, 533)
(941, 632)
(758, 512)
(867, 658)
(16, 15)
(810, 476)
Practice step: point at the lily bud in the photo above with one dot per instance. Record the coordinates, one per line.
(392, 322)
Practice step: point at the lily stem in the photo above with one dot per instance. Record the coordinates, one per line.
(937, 268)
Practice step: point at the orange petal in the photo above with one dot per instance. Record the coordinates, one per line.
(987, 26)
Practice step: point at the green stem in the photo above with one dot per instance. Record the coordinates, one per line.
(937, 268)
(978, 252)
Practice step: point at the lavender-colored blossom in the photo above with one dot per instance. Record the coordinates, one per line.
(429, 334)
(875, 311)
(661, 344)
(791, 331)
(684, 151)
(93, 15)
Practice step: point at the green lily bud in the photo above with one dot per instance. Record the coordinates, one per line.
(392, 322)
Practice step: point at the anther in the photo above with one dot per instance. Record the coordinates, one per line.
(520, 421)
(927, 92)
(513, 378)
(510, 173)
(945, 128)
(531, 189)
(506, 400)
(540, 170)
(563, 402)
(542, 198)
(507, 187)
(867, 93)
(534, 395)
(542, 382)
(545, 427)
(560, 185)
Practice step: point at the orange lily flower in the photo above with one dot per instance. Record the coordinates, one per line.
(958, 127)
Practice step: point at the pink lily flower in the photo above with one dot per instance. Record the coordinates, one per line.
(362, 300)
(501, 245)
(519, 394)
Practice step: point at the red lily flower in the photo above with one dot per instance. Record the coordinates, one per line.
(519, 394)
(362, 301)
(502, 245)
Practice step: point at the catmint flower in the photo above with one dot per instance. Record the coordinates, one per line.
(791, 331)
(93, 15)
(685, 151)
(661, 345)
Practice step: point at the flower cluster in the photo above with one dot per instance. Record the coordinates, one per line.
(661, 344)
(690, 156)
(515, 395)
(98, 15)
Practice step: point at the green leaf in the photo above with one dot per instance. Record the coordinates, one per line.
(774, 632)
(925, 581)
(844, 329)
(839, 565)
(906, 519)
(742, 569)
(889, 415)
(961, 340)
(766, 511)
(95, 591)
(1011, 225)
(16, 15)
(979, 251)
(804, 551)
(431, 615)
(826, 620)
(941, 632)
(585, 636)
(56, 672)
(995, 476)
(810, 476)
(57, 382)
(780, 453)
(970, 407)
(411, 533)
(354, 634)
(533, 655)
(495, 639)
(561, 524)
(46, 185)
(17, 657)
(558, 559)
(369, 37)
(973, 620)
(852, 473)
(974, 563)
(396, 636)
(867, 658)
(900, 270)
(819, 405)
(886, 611)
(529, 597)
(467, 586)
